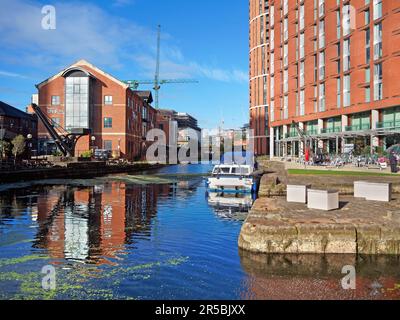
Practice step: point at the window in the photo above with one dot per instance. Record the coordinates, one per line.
(346, 55)
(271, 16)
(368, 94)
(378, 41)
(367, 46)
(338, 92)
(55, 100)
(272, 93)
(367, 75)
(302, 100)
(107, 122)
(272, 37)
(285, 55)
(302, 74)
(367, 17)
(338, 24)
(377, 9)
(321, 34)
(301, 25)
(322, 97)
(76, 100)
(346, 91)
(346, 20)
(301, 45)
(108, 145)
(321, 65)
(272, 66)
(321, 8)
(378, 86)
(285, 107)
(108, 100)
(285, 29)
(285, 81)
(272, 110)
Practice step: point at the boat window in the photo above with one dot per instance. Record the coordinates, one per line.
(225, 170)
(222, 170)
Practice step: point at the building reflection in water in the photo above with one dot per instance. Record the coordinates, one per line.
(315, 276)
(93, 224)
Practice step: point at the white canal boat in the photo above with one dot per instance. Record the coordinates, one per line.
(232, 178)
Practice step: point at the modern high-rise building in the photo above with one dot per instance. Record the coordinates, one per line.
(326, 69)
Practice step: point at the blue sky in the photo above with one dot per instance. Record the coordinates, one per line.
(204, 40)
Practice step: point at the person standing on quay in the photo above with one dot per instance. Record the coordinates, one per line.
(393, 162)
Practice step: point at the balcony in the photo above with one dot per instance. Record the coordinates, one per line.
(312, 132)
(358, 127)
(331, 130)
(291, 135)
(388, 125)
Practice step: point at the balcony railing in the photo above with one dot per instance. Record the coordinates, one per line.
(358, 127)
(331, 130)
(388, 124)
(312, 132)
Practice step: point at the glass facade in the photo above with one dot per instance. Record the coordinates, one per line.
(77, 101)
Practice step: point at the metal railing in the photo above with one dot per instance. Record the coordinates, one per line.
(388, 124)
(358, 127)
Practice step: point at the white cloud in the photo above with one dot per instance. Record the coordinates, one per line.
(85, 31)
(11, 74)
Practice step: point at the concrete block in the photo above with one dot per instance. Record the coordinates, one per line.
(323, 199)
(373, 191)
(297, 193)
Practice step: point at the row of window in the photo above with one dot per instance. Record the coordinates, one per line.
(76, 89)
(319, 66)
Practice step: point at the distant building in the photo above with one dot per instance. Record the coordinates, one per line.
(183, 125)
(83, 96)
(15, 122)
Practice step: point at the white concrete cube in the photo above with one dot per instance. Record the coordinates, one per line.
(323, 199)
(297, 193)
(373, 191)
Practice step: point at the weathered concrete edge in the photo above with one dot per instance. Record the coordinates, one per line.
(72, 173)
(322, 238)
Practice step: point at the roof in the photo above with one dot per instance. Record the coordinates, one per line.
(79, 65)
(145, 95)
(9, 111)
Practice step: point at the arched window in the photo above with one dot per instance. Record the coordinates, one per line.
(76, 99)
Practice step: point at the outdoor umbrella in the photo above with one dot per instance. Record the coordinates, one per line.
(395, 149)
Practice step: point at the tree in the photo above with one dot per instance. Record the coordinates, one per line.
(18, 146)
(4, 148)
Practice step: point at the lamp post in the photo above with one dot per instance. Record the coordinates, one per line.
(29, 137)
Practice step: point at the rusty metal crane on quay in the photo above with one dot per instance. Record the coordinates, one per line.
(157, 82)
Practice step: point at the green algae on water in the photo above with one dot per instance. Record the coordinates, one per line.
(23, 259)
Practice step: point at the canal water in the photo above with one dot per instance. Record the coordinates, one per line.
(157, 235)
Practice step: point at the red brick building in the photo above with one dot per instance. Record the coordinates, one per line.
(328, 66)
(83, 96)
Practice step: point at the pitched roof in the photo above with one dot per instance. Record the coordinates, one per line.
(145, 95)
(77, 65)
(9, 111)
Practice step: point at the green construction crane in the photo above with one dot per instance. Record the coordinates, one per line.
(134, 84)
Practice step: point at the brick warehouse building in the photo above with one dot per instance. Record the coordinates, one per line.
(83, 96)
(329, 66)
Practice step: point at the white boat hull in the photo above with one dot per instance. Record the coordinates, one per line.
(230, 184)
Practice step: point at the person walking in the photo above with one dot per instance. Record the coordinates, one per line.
(393, 162)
